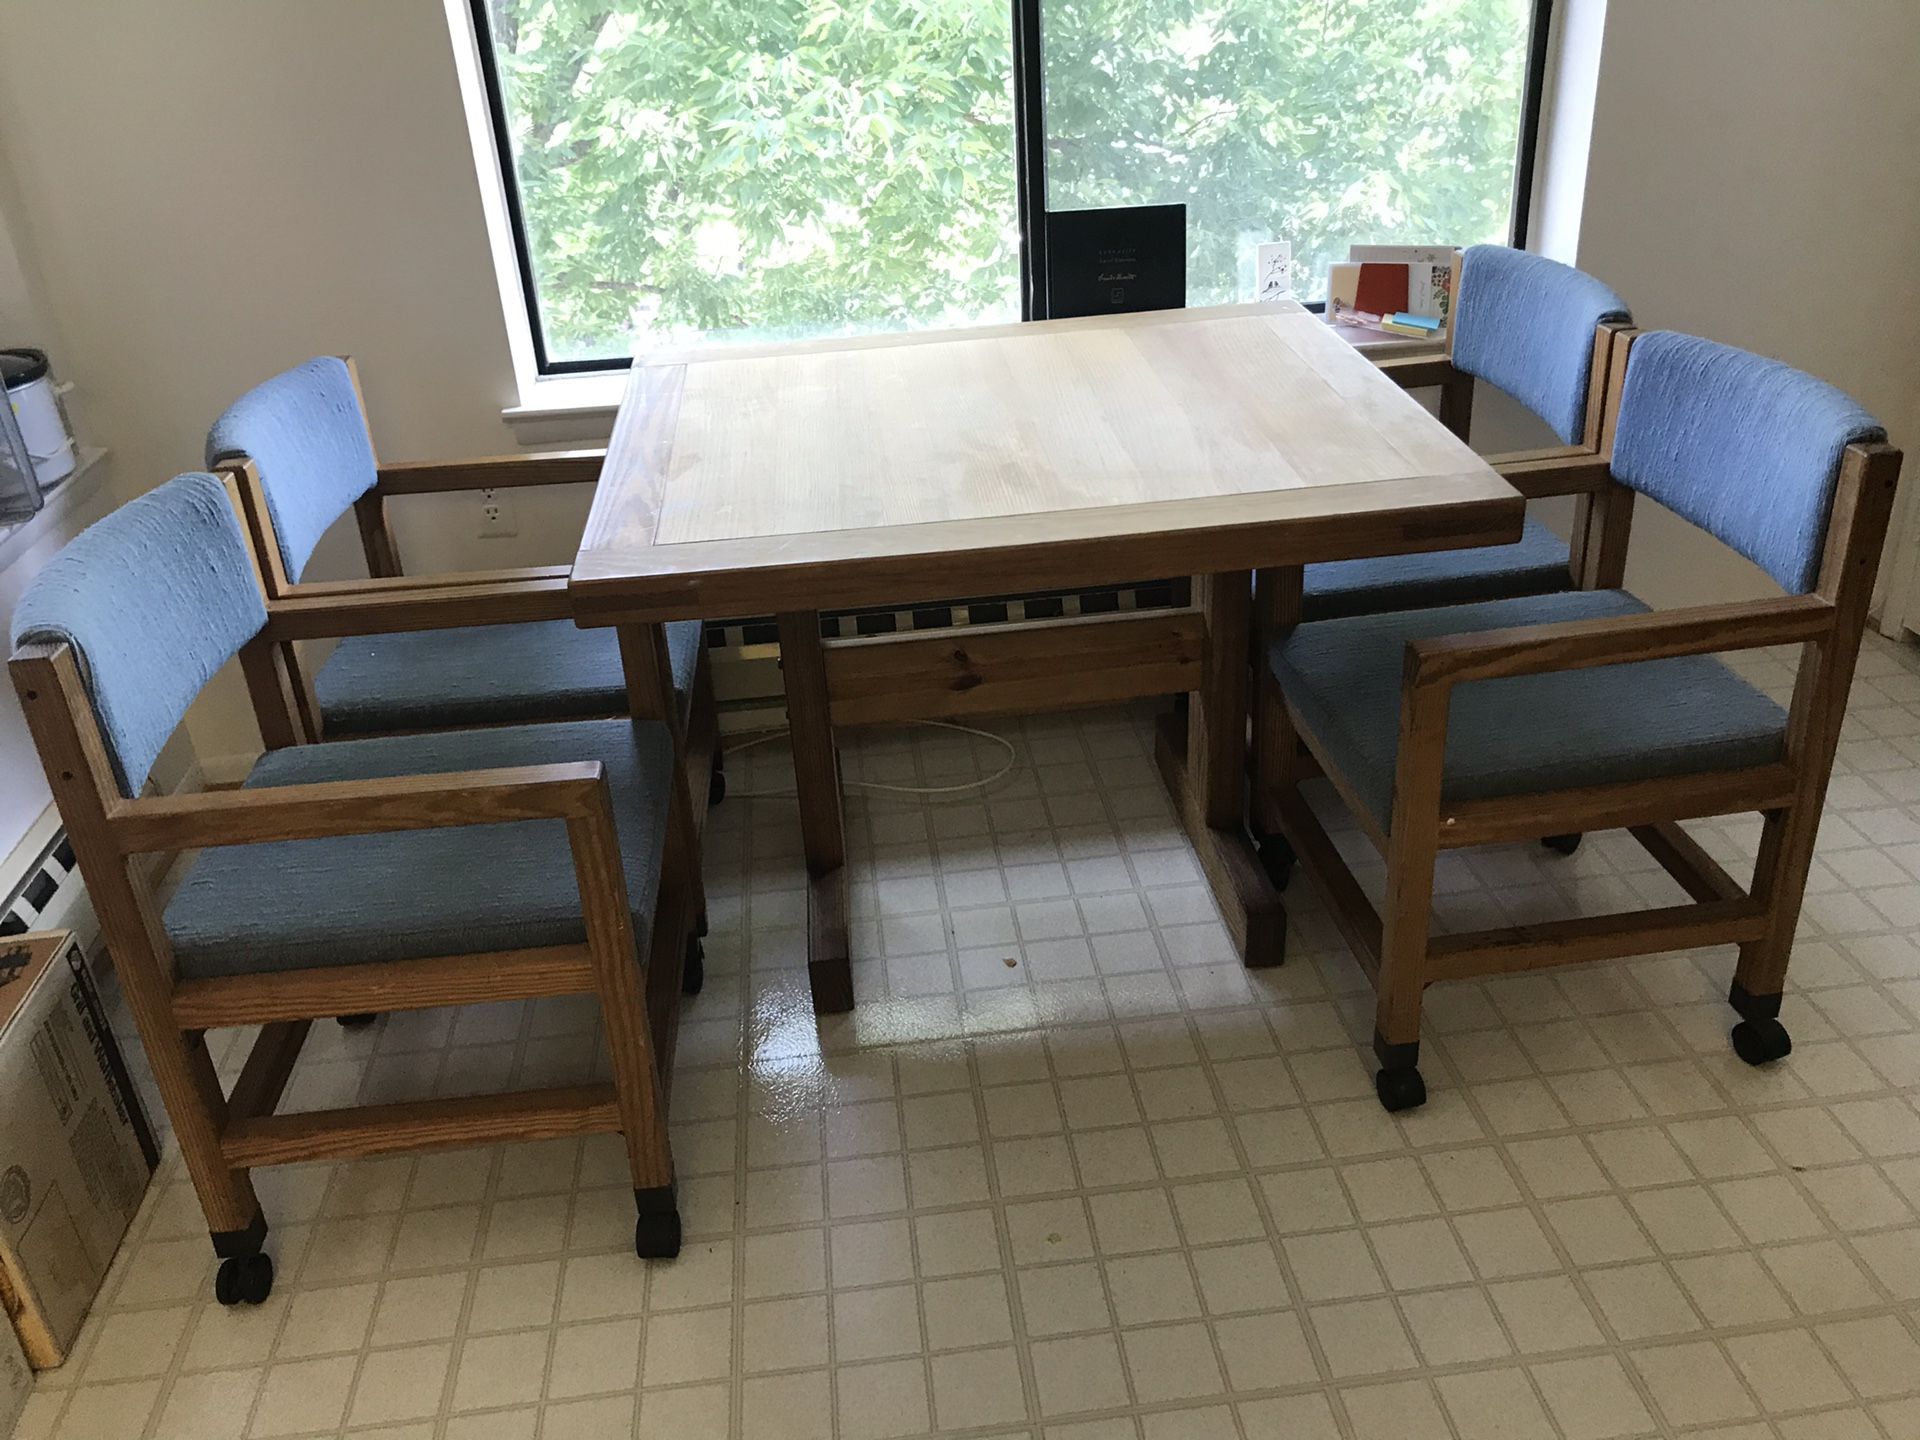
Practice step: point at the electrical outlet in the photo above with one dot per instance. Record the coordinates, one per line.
(497, 518)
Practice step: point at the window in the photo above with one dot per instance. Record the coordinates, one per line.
(770, 169)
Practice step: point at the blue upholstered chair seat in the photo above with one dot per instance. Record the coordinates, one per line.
(484, 675)
(364, 899)
(1523, 734)
(1535, 565)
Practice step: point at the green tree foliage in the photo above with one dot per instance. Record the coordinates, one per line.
(786, 167)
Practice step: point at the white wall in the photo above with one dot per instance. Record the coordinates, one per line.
(215, 190)
(1753, 177)
(222, 188)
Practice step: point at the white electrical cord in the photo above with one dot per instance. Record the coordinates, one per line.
(964, 787)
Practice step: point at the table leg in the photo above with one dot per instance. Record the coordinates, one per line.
(1204, 765)
(816, 781)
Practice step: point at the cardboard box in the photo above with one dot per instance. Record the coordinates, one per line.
(75, 1148)
(16, 1380)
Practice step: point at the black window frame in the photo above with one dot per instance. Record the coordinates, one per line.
(1030, 165)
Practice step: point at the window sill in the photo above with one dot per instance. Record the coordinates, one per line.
(567, 407)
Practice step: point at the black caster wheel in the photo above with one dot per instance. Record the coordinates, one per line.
(693, 971)
(1276, 856)
(244, 1279)
(357, 1022)
(716, 787)
(1400, 1090)
(1561, 844)
(656, 1236)
(1759, 1042)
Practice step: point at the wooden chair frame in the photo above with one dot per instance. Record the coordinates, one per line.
(1603, 511)
(1396, 949)
(223, 1136)
(388, 602)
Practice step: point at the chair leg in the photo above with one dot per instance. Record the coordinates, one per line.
(1402, 978)
(1760, 976)
(1413, 847)
(235, 1222)
(623, 1011)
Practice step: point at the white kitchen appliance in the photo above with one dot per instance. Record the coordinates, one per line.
(36, 409)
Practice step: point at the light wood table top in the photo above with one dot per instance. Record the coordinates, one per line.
(900, 468)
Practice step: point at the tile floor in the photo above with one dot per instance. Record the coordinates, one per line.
(1070, 1173)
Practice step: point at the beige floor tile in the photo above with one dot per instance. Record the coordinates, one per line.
(1493, 1405)
(1693, 1384)
(786, 1407)
(1503, 1243)
(1545, 1314)
(881, 1401)
(406, 1384)
(1787, 1371)
(978, 1388)
(1878, 1356)
(594, 1358)
(1149, 1288)
(1128, 1221)
(498, 1370)
(1362, 1337)
(212, 1406)
(1262, 1352)
(1171, 1362)
(968, 1311)
(1592, 1398)
(1819, 1277)
(775, 1334)
(1453, 1327)
(686, 1346)
(1641, 1302)
(136, 1343)
(871, 1324)
(1237, 1278)
(1333, 1266)
(419, 1307)
(1418, 1254)
(297, 1396)
(1401, 1410)
(1078, 1373)
(1061, 1299)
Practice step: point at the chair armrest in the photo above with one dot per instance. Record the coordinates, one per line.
(1539, 474)
(1448, 660)
(407, 584)
(376, 609)
(491, 472)
(357, 807)
(1417, 372)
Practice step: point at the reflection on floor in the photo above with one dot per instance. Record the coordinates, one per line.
(1070, 1173)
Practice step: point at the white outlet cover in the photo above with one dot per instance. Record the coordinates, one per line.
(1273, 271)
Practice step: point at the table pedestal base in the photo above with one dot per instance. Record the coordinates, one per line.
(1254, 913)
(829, 966)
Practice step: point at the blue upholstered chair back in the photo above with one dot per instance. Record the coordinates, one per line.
(1746, 448)
(153, 599)
(1525, 326)
(305, 431)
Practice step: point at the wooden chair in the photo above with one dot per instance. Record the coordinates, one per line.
(406, 872)
(1543, 333)
(432, 652)
(1508, 719)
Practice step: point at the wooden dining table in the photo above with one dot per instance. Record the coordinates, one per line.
(903, 469)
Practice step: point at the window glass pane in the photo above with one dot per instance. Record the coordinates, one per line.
(760, 168)
(1323, 122)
